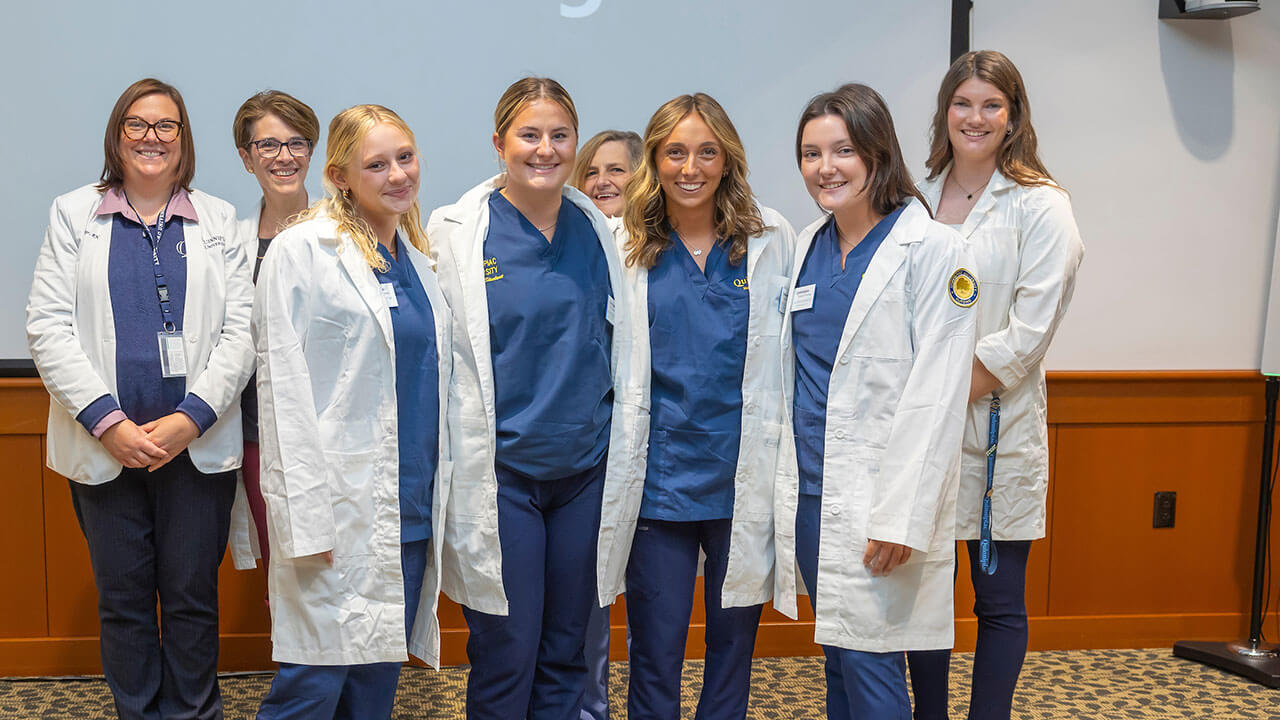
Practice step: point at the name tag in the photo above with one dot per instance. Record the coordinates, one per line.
(173, 356)
(389, 294)
(610, 311)
(803, 299)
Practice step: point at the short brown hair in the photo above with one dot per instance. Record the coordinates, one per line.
(870, 126)
(1019, 156)
(113, 164)
(295, 113)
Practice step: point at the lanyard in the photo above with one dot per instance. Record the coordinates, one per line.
(162, 285)
(987, 559)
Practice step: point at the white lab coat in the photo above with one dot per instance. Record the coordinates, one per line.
(1027, 250)
(473, 556)
(748, 577)
(71, 330)
(243, 541)
(895, 412)
(330, 454)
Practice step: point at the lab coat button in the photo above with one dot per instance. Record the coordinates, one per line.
(839, 434)
(844, 359)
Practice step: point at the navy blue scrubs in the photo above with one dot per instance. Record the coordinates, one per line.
(341, 692)
(698, 340)
(550, 343)
(859, 684)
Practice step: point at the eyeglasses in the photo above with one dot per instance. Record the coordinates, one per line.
(135, 128)
(270, 147)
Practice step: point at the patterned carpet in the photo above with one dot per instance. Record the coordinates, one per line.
(1102, 684)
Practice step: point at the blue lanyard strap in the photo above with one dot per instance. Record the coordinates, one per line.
(987, 559)
(162, 285)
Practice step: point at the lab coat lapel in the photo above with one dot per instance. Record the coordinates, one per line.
(981, 209)
(886, 261)
(366, 284)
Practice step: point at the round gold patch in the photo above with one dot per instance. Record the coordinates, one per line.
(963, 288)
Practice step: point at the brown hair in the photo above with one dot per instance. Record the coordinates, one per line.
(736, 215)
(292, 111)
(524, 91)
(346, 131)
(113, 163)
(1018, 157)
(870, 125)
(587, 153)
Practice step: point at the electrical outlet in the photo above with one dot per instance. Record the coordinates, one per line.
(1166, 505)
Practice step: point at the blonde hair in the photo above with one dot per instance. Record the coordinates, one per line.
(1018, 157)
(736, 215)
(346, 131)
(526, 90)
(587, 153)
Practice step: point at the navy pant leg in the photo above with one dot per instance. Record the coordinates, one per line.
(304, 692)
(116, 519)
(193, 522)
(860, 685)
(531, 662)
(730, 634)
(595, 699)
(572, 525)
(369, 692)
(503, 649)
(413, 564)
(660, 578)
(930, 681)
(1001, 607)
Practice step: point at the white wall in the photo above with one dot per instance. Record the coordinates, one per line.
(1167, 134)
(441, 66)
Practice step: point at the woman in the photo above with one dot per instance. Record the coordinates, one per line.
(353, 337)
(275, 134)
(604, 165)
(708, 267)
(138, 322)
(882, 319)
(987, 181)
(552, 408)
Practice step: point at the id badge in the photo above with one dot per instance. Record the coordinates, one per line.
(389, 294)
(173, 355)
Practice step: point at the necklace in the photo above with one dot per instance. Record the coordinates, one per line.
(544, 229)
(969, 196)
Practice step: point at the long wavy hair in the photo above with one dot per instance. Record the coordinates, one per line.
(736, 215)
(587, 153)
(346, 131)
(870, 126)
(1019, 156)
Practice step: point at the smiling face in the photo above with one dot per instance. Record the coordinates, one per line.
(150, 160)
(834, 174)
(285, 174)
(607, 175)
(690, 164)
(977, 120)
(383, 175)
(538, 147)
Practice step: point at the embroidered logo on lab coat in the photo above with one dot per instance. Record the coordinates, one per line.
(491, 269)
(963, 288)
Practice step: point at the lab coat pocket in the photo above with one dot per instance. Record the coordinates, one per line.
(354, 493)
(886, 331)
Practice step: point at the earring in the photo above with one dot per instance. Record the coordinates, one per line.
(1008, 130)
(346, 193)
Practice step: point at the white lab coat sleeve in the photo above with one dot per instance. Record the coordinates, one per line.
(928, 424)
(66, 370)
(231, 359)
(1050, 254)
(294, 473)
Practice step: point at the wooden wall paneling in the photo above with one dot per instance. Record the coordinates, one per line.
(23, 606)
(73, 598)
(1112, 561)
